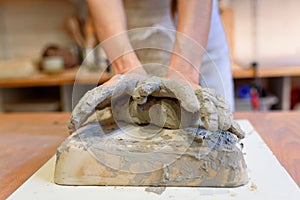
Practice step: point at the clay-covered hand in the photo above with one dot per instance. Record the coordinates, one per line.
(100, 97)
(166, 88)
(162, 102)
(215, 112)
(165, 103)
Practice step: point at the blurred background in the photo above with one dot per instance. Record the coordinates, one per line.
(43, 43)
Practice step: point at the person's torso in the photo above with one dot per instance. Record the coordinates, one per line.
(157, 15)
(145, 13)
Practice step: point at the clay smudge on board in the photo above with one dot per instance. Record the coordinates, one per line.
(156, 190)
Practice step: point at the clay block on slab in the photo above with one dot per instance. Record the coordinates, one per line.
(135, 156)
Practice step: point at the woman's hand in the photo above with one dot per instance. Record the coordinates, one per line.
(193, 27)
(179, 76)
(113, 80)
(126, 63)
(183, 71)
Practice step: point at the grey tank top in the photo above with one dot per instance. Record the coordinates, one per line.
(155, 43)
(151, 32)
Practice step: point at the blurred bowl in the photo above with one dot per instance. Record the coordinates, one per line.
(53, 64)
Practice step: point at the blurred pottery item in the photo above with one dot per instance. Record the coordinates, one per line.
(69, 59)
(16, 68)
(53, 64)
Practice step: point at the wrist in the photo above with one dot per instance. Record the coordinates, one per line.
(184, 68)
(125, 63)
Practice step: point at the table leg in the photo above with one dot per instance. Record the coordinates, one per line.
(66, 97)
(71, 95)
(1, 101)
(281, 87)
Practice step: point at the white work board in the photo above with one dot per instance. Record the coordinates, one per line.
(268, 180)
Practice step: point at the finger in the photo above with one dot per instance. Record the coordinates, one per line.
(146, 88)
(208, 111)
(224, 112)
(111, 81)
(86, 106)
(223, 108)
(100, 97)
(159, 87)
(236, 130)
(121, 97)
(183, 92)
(128, 83)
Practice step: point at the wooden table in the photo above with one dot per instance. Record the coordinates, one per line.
(28, 140)
(280, 84)
(68, 76)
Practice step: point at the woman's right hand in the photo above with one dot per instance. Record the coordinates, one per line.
(125, 64)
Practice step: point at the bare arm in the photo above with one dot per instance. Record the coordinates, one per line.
(194, 22)
(110, 20)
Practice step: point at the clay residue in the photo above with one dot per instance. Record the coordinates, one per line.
(253, 187)
(203, 158)
(161, 102)
(159, 133)
(156, 190)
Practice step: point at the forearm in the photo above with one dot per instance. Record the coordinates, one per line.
(110, 23)
(193, 28)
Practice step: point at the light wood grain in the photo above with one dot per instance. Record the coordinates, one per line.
(28, 140)
(280, 131)
(66, 77)
(69, 76)
(240, 72)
